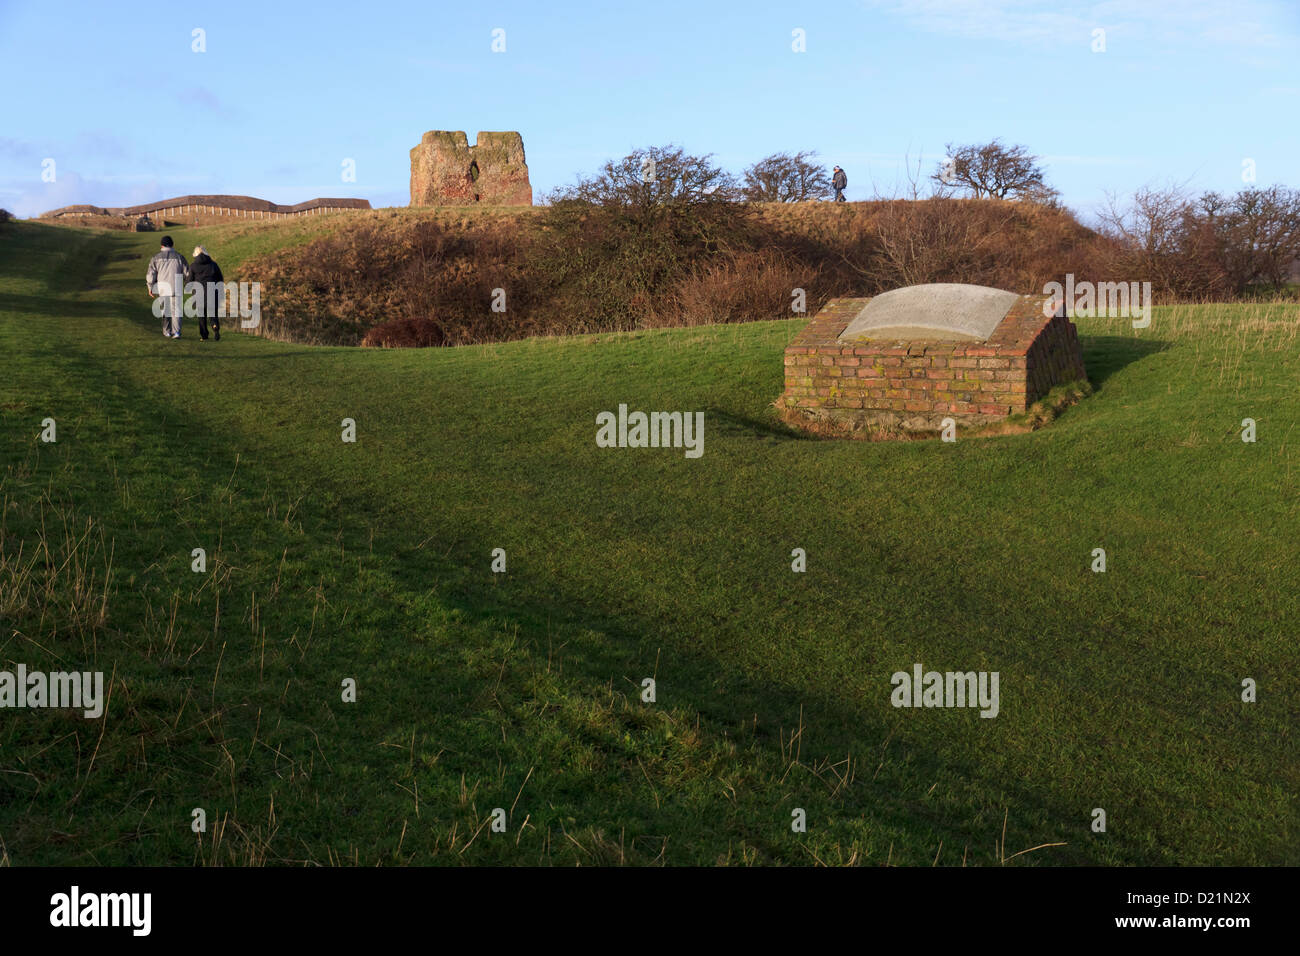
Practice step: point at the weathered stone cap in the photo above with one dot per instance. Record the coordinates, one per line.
(939, 311)
(448, 138)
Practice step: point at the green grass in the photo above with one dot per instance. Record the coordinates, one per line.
(521, 690)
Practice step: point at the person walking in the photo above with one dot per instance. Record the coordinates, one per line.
(166, 277)
(839, 181)
(204, 270)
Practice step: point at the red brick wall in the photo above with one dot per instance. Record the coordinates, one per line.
(918, 384)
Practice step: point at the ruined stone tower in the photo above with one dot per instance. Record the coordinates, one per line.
(447, 171)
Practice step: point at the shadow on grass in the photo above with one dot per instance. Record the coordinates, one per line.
(602, 648)
(1104, 355)
(57, 305)
(729, 423)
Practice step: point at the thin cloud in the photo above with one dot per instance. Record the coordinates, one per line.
(1013, 21)
(18, 149)
(1244, 24)
(100, 145)
(203, 97)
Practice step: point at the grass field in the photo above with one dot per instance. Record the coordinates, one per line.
(372, 561)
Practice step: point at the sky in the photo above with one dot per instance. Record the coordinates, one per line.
(115, 104)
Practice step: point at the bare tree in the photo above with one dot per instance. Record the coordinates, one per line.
(654, 176)
(1212, 247)
(1150, 232)
(1254, 235)
(935, 240)
(992, 171)
(786, 177)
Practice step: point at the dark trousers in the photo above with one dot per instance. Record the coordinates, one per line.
(839, 195)
(209, 311)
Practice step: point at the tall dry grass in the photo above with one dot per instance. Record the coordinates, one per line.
(55, 580)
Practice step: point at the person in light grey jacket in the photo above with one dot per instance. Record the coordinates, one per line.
(166, 277)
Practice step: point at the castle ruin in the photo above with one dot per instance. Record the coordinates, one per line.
(447, 171)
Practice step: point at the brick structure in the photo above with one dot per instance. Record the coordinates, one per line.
(911, 386)
(447, 171)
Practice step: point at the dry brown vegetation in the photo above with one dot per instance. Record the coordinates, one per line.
(575, 268)
(1208, 248)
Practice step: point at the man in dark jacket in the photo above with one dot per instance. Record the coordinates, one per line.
(839, 181)
(203, 269)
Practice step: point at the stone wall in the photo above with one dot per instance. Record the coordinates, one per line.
(913, 386)
(447, 171)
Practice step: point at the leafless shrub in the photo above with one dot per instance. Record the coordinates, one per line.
(1149, 231)
(1250, 238)
(1003, 244)
(745, 287)
(653, 176)
(787, 177)
(1210, 248)
(992, 170)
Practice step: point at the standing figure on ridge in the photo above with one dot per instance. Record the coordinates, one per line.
(839, 181)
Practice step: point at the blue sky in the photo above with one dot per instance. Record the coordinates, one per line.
(1185, 92)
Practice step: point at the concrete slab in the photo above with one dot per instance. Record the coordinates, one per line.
(940, 311)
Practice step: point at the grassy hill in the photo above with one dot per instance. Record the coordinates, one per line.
(522, 690)
(238, 240)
